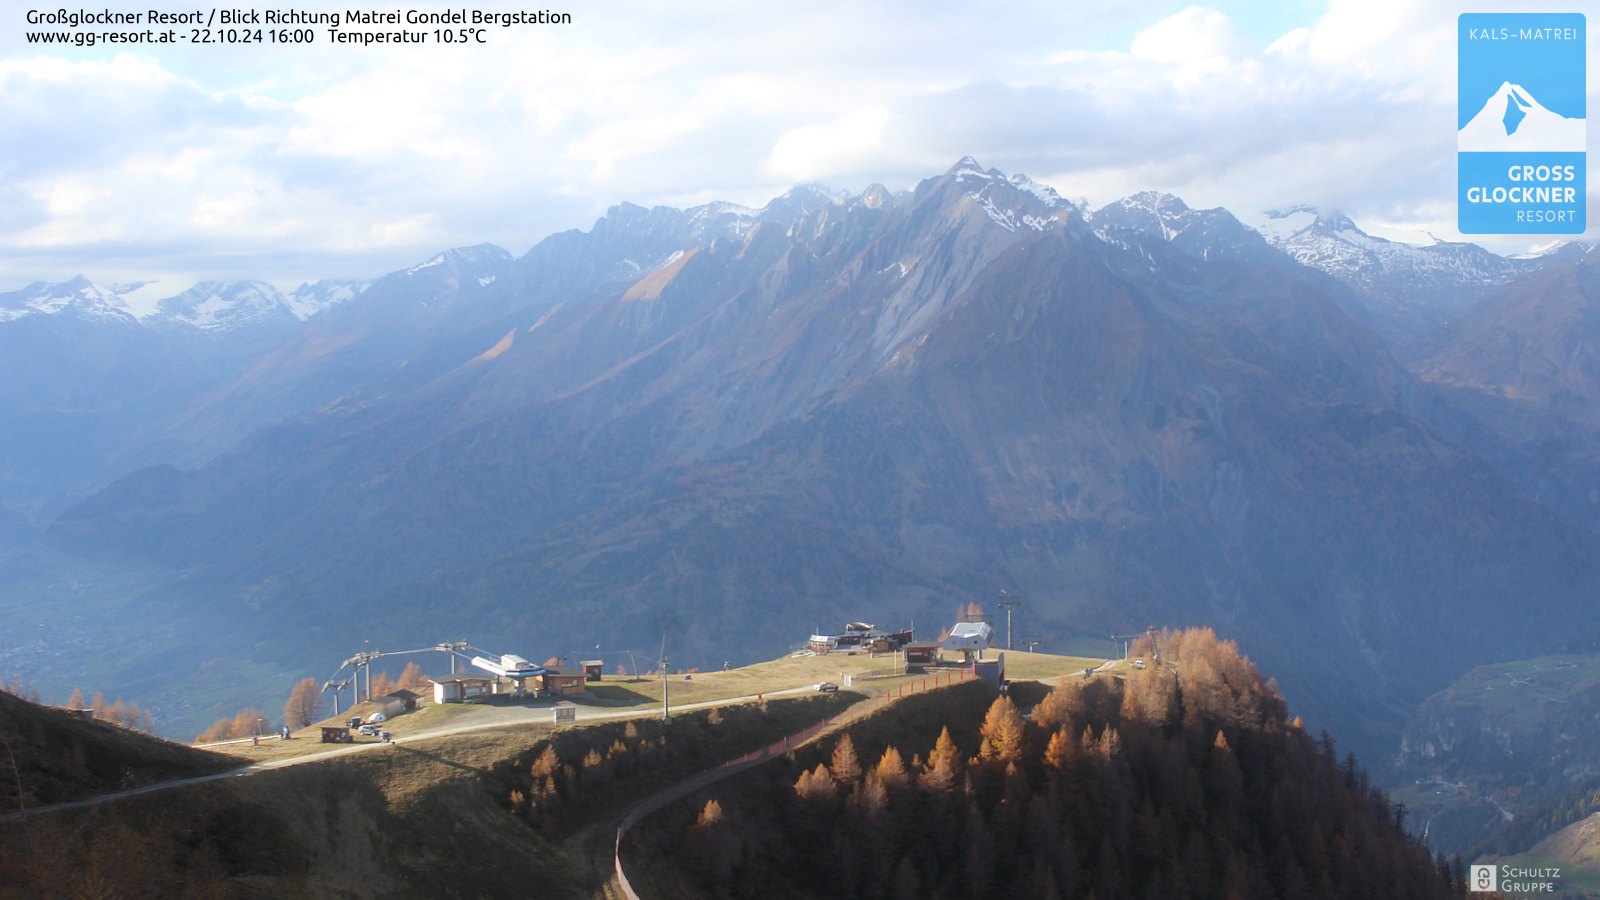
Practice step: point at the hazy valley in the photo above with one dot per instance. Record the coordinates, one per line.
(1374, 465)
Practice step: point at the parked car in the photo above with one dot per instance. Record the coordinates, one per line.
(371, 729)
(827, 687)
(1138, 664)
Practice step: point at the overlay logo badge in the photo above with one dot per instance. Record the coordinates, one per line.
(1522, 123)
(1484, 878)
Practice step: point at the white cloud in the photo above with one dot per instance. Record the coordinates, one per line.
(844, 144)
(1193, 43)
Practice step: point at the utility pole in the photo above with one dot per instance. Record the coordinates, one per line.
(1126, 640)
(666, 682)
(1007, 603)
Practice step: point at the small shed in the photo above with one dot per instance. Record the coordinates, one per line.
(923, 653)
(336, 734)
(991, 670)
(562, 682)
(461, 688)
(394, 704)
(593, 669)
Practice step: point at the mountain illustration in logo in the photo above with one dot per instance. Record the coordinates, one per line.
(1512, 121)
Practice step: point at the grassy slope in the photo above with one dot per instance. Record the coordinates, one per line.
(60, 757)
(427, 818)
(1578, 844)
(619, 694)
(1574, 851)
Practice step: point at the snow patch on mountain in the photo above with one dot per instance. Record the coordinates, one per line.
(222, 306)
(1200, 233)
(967, 167)
(436, 261)
(1149, 211)
(1012, 203)
(721, 219)
(473, 262)
(1333, 243)
(311, 298)
(1411, 287)
(1043, 192)
(209, 306)
(79, 296)
(1005, 218)
(1278, 225)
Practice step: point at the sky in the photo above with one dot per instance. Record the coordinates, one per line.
(292, 163)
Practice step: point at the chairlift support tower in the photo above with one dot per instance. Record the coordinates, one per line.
(1007, 602)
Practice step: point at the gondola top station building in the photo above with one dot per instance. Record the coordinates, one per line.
(859, 636)
(508, 673)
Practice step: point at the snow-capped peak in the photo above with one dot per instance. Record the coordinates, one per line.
(225, 305)
(1281, 226)
(311, 298)
(476, 260)
(209, 306)
(721, 218)
(1278, 225)
(967, 171)
(1556, 250)
(1046, 194)
(967, 167)
(1152, 212)
(1203, 233)
(78, 296)
(1330, 241)
(1014, 203)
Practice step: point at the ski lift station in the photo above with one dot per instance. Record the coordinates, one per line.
(970, 637)
(510, 666)
(859, 636)
(510, 673)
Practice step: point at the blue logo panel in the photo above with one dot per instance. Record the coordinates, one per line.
(1520, 193)
(1522, 129)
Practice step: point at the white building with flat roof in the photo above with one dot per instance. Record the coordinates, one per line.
(970, 636)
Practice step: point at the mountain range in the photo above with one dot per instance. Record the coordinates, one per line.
(722, 426)
(93, 368)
